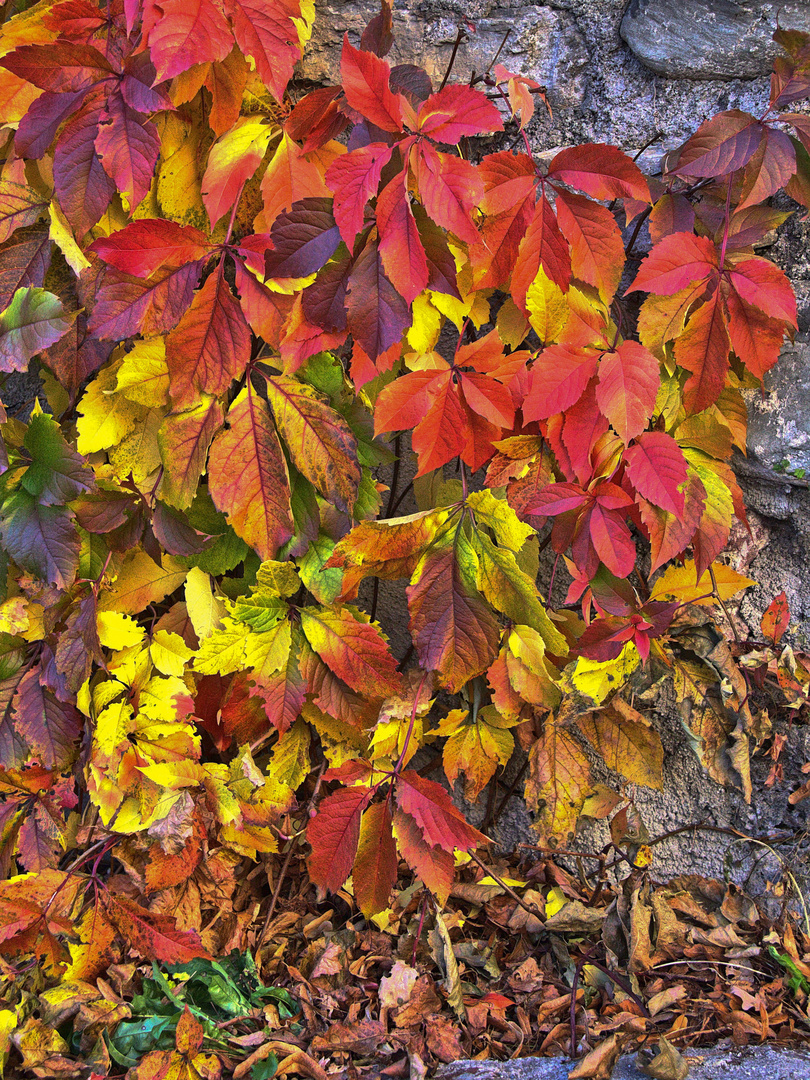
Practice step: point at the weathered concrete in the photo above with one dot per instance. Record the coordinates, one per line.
(737, 1063)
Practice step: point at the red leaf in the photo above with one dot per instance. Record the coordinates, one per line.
(776, 618)
(354, 178)
(152, 936)
(19, 206)
(377, 312)
(770, 169)
(764, 285)
(128, 147)
(628, 384)
(612, 541)
(453, 630)
(210, 346)
(375, 867)
(601, 171)
(401, 250)
(675, 262)
(432, 864)
(247, 476)
(149, 245)
(304, 239)
(558, 379)
(583, 425)
(83, 188)
(125, 305)
(433, 811)
(597, 251)
(182, 33)
(449, 188)
(656, 468)
(353, 650)
(268, 33)
(61, 68)
(558, 499)
(49, 727)
(365, 84)
(455, 111)
(333, 835)
(440, 435)
(543, 245)
(670, 534)
(720, 146)
(756, 339)
(671, 214)
(509, 205)
(703, 348)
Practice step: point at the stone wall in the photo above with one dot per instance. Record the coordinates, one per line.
(646, 74)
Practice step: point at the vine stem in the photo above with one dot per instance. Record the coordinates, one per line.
(409, 732)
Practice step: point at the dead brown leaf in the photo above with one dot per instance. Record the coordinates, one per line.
(600, 1062)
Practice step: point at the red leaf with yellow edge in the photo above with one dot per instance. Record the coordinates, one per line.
(449, 188)
(182, 33)
(269, 33)
(333, 834)
(558, 380)
(703, 348)
(597, 250)
(321, 443)
(656, 468)
(678, 260)
(776, 618)
(601, 171)
(432, 864)
(628, 385)
(375, 866)
(764, 285)
(401, 250)
(247, 476)
(353, 650)
(152, 936)
(432, 809)
(151, 244)
(453, 630)
(365, 79)
(210, 346)
(232, 160)
(455, 112)
(354, 178)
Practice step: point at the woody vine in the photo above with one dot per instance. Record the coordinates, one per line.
(238, 298)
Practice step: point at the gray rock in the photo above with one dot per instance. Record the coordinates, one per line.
(779, 416)
(737, 1063)
(542, 43)
(708, 39)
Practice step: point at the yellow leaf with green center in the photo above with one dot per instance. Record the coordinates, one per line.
(498, 515)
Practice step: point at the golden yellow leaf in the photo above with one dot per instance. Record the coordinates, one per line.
(548, 310)
(680, 583)
(118, 631)
(632, 749)
(141, 581)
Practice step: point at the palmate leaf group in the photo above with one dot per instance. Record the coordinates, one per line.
(238, 302)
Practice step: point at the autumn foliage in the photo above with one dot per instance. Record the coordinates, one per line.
(235, 299)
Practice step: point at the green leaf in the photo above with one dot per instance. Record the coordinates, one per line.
(57, 473)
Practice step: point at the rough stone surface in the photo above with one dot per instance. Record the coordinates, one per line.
(737, 1063)
(708, 39)
(779, 416)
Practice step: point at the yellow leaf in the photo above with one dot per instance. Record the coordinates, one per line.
(426, 325)
(8, 1024)
(183, 146)
(173, 774)
(105, 415)
(205, 610)
(559, 780)
(548, 310)
(141, 581)
(289, 763)
(554, 901)
(496, 513)
(62, 236)
(14, 617)
(596, 680)
(143, 376)
(169, 652)
(138, 453)
(223, 651)
(118, 631)
(680, 583)
(631, 749)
